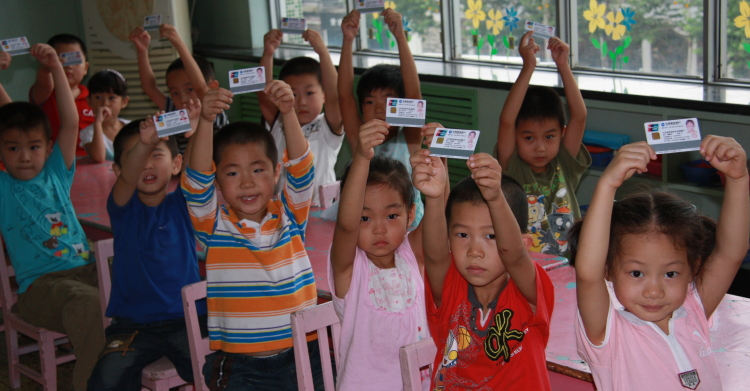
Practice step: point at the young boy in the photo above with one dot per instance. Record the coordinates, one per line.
(258, 272)
(42, 91)
(188, 77)
(154, 259)
(57, 283)
(488, 304)
(313, 84)
(5, 59)
(535, 147)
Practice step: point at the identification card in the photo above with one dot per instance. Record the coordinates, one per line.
(151, 22)
(71, 58)
(454, 143)
(171, 123)
(405, 112)
(678, 135)
(16, 46)
(293, 25)
(247, 80)
(369, 5)
(690, 379)
(539, 29)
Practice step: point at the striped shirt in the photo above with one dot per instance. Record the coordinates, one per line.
(257, 273)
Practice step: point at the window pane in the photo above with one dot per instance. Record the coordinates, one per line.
(736, 43)
(649, 36)
(421, 22)
(323, 16)
(491, 30)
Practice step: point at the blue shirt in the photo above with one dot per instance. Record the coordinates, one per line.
(155, 257)
(39, 224)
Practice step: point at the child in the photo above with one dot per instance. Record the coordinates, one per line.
(188, 77)
(42, 92)
(488, 304)
(108, 94)
(257, 268)
(378, 291)
(535, 147)
(57, 284)
(670, 268)
(313, 84)
(375, 86)
(5, 60)
(154, 258)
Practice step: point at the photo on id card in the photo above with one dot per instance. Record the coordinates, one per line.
(454, 143)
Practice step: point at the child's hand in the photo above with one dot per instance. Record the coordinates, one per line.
(487, 174)
(215, 102)
(528, 49)
(726, 155)
(46, 55)
(141, 39)
(193, 107)
(394, 21)
(560, 50)
(350, 25)
(281, 95)
(271, 42)
(148, 131)
(170, 33)
(428, 132)
(630, 159)
(5, 59)
(371, 134)
(316, 40)
(102, 114)
(428, 173)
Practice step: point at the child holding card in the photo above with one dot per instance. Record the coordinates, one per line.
(535, 146)
(313, 83)
(5, 59)
(108, 95)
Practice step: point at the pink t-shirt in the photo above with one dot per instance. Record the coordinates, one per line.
(383, 310)
(637, 355)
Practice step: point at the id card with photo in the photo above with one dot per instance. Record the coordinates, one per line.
(405, 112)
(677, 135)
(293, 25)
(71, 58)
(151, 22)
(540, 30)
(16, 46)
(369, 5)
(247, 80)
(454, 143)
(171, 123)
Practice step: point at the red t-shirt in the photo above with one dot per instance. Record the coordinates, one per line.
(508, 353)
(85, 115)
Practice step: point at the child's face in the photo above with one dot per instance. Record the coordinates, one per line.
(180, 89)
(246, 177)
(157, 172)
(308, 97)
(690, 127)
(472, 136)
(74, 73)
(651, 277)
(385, 220)
(373, 106)
(107, 99)
(24, 153)
(538, 142)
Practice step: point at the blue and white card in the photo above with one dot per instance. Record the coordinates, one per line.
(369, 5)
(405, 112)
(677, 135)
(247, 80)
(541, 30)
(16, 46)
(454, 143)
(71, 58)
(174, 122)
(293, 25)
(151, 22)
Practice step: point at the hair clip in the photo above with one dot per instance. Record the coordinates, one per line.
(116, 73)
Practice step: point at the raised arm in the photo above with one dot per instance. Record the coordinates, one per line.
(141, 39)
(271, 42)
(727, 156)
(506, 132)
(194, 113)
(201, 144)
(194, 74)
(593, 243)
(96, 148)
(347, 101)
(577, 123)
(43, 85)
(5, 60)
(330, 80)
(281, 95)
(133, 161)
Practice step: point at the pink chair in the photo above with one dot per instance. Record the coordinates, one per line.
(198, 345)
(158, 376)
(329, 193)
(317, 318)
(414, 358)
(46, 340)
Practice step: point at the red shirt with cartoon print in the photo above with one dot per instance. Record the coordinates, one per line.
(85, 115)
(506, 352)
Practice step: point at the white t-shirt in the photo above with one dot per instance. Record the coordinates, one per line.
(87, 136)
(324, 144)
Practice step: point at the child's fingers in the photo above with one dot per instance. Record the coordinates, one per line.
(526, 39)
(421, 156)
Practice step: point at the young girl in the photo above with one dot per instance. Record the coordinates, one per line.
(108, 94)
(376, 267)
(670, 268)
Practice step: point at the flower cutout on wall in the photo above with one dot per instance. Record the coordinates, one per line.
(629, 15)
(388, 4)
(595, 15)
(743, 21)
(615, 28)
(495, 23)
(511, 18)
(475, 13)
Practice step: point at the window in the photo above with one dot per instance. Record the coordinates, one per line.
(323, 16)
(735, 49)
(421, 23)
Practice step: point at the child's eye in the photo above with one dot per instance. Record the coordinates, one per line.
(310, 93)
(369, 102)
(671, 274)
(392, 216)
(550, 136)
(528, 138)
(257, 170)
(232, 174)
(365, 218)
(190, 90)
(490, 236)
(13, 149)
(636, 274)
(462, 235)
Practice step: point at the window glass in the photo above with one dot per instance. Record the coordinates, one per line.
(421, 23)
(323, 16)
(735, 56)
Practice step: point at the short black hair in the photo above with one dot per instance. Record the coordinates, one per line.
(107, 81)
(541, 103)
(25, 117)
(68, 39)
(386, 171)
(301, 66)
(206, 68)
(380, 77)
(241, 133)
(467, 191)
(134, 129)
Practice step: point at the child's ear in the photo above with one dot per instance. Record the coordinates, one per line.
(125, 102)
(412, 214)
(564, 128)
(177, 164)
(86, 64)
(528, 241)
(213, 84)
(116, 169)
(276, 174)
(50, 145)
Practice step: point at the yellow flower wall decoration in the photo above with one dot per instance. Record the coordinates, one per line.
(614, 28)
(495, 21)
(595, 15)
(744, 19)
(475, 13)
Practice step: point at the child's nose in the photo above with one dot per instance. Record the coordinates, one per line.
(474, 250)
(653, 290)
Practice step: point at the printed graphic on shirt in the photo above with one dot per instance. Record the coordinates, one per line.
(550, 215)
(500, 334)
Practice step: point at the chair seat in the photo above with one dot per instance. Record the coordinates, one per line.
(25, 328)
(162, 369)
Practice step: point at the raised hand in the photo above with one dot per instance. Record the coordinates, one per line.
(46, 55)
(5, 60)
(315, 40)
(726, 155)
(169, 32)
(371, 134)
(271, 41)
(350, 25)
(560, 50)
(280, 95)
(528, 49)
(102, 114)
(148, 132)
(193, 107)
(141, 39)
(215, 102)
(487, 174)
(394, 21)
(428, 132)
(428, 173)
(630, 159)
